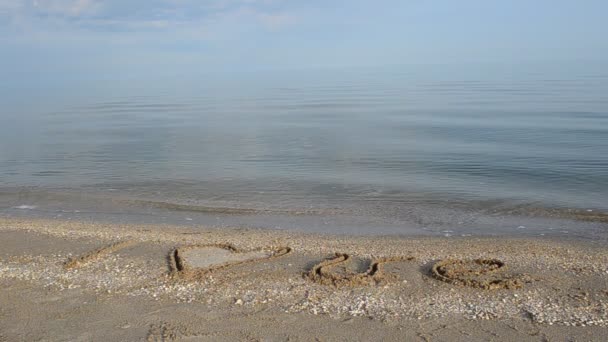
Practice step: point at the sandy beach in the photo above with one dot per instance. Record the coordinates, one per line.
(262, 170)
(79, 281)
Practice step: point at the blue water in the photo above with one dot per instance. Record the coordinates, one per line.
(474, 135)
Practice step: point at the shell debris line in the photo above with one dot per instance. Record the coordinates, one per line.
(195, 261)
(486, 274)
(335, 271)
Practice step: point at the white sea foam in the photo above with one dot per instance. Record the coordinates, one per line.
(26, 207)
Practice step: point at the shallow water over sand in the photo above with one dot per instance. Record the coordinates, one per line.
(413, 144)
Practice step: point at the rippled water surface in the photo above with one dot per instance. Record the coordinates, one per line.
(476, 136)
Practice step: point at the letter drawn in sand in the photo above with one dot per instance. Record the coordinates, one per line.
(326, 272)
(486, 274)
(98, 253)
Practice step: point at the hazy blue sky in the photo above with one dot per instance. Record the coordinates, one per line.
(95, 37)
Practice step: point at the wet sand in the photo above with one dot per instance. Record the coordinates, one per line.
(80, 281)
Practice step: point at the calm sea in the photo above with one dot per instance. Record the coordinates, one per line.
(430, 146)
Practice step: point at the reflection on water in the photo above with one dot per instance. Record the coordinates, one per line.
(320, 139)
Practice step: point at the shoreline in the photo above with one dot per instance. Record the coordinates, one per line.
(562, 284)
(504, 220)
(307, 241)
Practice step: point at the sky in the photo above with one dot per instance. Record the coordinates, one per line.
(93, 38)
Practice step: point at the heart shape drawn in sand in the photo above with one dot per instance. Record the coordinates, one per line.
(196, 260)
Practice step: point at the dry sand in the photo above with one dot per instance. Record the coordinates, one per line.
(72, 281)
